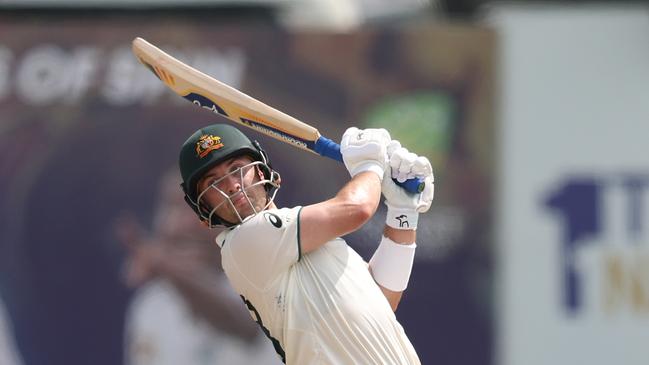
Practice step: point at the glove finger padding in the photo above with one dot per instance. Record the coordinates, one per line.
(404, 207)
(422, 167)
(426, 196)
(397, 196)
(405, 165)
(393, 146)
(365, 150)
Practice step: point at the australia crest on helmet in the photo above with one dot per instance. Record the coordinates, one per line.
(207, 143)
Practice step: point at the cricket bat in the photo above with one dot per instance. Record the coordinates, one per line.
(219, 98)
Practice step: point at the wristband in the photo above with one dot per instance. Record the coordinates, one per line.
(391, 264)
(401, 218)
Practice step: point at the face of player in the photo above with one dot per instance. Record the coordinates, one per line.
(234, 188)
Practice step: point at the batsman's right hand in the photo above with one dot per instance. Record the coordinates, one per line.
(365, 150)
(404, 206)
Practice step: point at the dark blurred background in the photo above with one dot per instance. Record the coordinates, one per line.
(511, 101)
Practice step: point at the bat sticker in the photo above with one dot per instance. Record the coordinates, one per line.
(278, 134)
(206, 103)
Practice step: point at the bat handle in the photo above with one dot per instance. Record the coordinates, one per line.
(328, 148)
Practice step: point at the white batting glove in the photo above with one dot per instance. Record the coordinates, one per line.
(365, 150)
(404, 207)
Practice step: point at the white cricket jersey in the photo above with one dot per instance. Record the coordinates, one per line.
(319, 308)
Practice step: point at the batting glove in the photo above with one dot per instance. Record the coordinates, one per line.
(404, 207)
(365, 150)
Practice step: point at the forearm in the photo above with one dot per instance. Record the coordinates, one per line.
(401, 236)
(393, 297)
(362, 194)
(404, 237)
(352, 207)
(393, 262)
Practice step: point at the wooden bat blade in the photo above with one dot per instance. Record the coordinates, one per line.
(213, 95)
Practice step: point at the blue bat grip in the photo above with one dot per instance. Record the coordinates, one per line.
(328, 148)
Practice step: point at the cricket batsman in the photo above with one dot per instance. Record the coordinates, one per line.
(313, 296)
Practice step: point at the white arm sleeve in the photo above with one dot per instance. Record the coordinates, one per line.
(265, 246)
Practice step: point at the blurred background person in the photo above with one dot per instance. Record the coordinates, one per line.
(535, 112)
(183, 311)
(9, 354)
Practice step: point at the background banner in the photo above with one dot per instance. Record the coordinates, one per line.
(572, 226)
(86, 133)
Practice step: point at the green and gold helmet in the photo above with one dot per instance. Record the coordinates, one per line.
(208, 147)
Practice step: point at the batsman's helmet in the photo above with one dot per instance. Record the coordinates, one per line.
(206, 148)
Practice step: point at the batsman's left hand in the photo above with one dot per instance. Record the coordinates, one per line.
(365, 150)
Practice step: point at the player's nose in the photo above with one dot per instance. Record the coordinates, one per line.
(231, 184)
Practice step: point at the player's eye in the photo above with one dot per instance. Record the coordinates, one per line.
(239, 170)
(214, 181)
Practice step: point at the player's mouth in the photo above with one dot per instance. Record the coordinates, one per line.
(239, 200)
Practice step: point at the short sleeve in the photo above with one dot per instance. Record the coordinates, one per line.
(265, 246)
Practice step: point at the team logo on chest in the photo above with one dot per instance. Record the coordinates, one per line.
(273, 219)
(206, 144)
